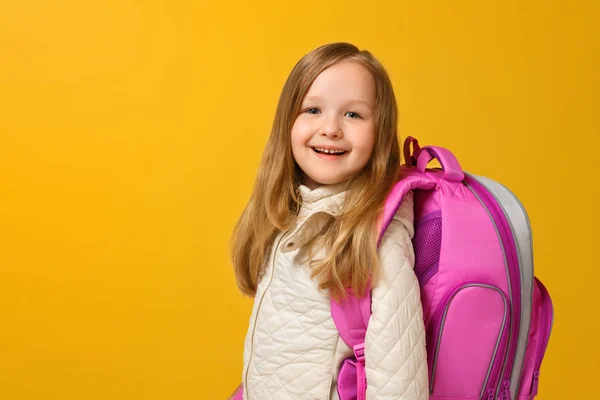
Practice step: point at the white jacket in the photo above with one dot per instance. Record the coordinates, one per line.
(292, 348)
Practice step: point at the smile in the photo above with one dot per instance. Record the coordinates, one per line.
(327, 154)
(319, 150)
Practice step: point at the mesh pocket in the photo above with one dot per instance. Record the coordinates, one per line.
(427, 243)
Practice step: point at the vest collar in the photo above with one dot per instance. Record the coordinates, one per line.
(318, 207)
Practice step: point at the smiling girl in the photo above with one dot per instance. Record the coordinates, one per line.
(309, 234)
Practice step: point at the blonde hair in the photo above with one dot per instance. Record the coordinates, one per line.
(350, 238)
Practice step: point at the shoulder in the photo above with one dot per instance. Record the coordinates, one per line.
(406, 213)
(403, 221)
(396, 243)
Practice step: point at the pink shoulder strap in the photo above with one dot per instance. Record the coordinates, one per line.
(351, 316)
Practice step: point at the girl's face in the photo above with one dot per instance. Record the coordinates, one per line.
(333, 136)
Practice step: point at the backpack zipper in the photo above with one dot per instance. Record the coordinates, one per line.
(507, 242)
(547, 320)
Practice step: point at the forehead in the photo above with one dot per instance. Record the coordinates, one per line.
(347, 81)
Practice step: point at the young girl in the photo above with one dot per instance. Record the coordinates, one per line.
(309, 231)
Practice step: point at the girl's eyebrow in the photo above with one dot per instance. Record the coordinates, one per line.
(356, 101)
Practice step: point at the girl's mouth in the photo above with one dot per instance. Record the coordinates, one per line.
(328, 154)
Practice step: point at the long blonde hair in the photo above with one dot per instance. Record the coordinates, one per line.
(351, 238)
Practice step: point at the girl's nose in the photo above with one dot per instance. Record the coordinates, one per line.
(331, 134)
(331, 129)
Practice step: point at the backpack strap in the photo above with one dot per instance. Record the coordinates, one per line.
(411, 180)
(351, 315)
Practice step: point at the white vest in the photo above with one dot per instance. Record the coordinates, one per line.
(292, 348)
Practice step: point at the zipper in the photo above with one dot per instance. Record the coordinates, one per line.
(512, 266)
(546, 323)
(258, 309)
(530, 294)
(505, 390)
(494, 374)
(435, 334)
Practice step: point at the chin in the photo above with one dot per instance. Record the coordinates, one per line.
(328, 181)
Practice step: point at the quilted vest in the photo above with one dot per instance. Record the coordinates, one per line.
(293, 349)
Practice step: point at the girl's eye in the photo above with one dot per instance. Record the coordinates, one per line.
(355, 115)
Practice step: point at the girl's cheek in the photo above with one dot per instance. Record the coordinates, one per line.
(301, 124)
(301, 131)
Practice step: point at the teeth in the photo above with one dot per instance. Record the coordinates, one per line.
(326, 151)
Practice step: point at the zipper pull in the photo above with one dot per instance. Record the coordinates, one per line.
(535, 382)
(505, 393)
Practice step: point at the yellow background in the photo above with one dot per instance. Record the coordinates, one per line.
(130, 135)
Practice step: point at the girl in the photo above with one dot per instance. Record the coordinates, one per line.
(309, 231)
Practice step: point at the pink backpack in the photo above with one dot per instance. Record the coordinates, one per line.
(487, 318)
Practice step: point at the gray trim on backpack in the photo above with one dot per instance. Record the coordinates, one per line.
(521, 229)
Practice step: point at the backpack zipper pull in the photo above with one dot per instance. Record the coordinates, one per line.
(505, 393)
(535, 382)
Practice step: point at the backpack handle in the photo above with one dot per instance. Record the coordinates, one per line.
(411, 157)
(452, 169)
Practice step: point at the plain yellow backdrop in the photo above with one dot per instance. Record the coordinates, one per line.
(130, 136)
